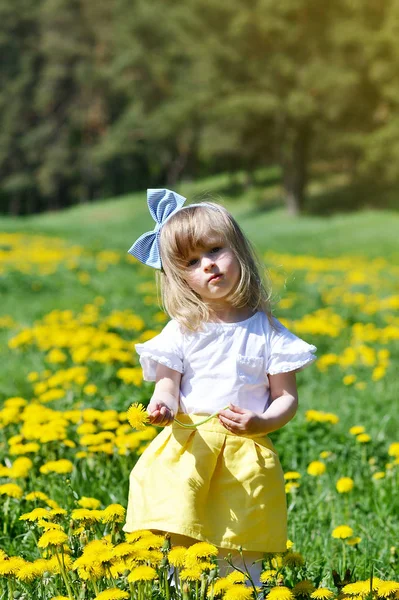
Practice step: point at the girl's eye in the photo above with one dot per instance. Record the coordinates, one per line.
(216, 249)
(192, 262)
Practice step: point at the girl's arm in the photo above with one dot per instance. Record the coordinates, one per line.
(164, 403)
(283, 407)
(284, 396)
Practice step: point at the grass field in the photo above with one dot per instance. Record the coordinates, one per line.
(74, 304)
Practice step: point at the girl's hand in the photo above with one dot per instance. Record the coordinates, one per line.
(243, 422)
(160, 413)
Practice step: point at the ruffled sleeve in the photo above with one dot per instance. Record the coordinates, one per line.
(287, 352)
(165, 349)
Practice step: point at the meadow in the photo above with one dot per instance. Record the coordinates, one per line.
(73, 306)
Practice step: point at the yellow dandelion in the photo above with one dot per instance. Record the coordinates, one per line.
(236, 577)
(112, 594)
(325, 454)
(342, 532)
(219, 587)
(191, 574)
(359, 589)
(378, 475)
(177, 556)
(356, 429)
(344, 485)
(291, 486)
(292, 475)
(114, 513)
(268, 576)
(12, 490)
(293, 559)
(53, 537)
(388, 588)
(86, 515)
(201, 550)
(35, 514)
(36, 496)
(59, 598)
(280, 592)
(238, 592)
(134, 536)
(10, 565)
(303, 588)
(28, 572)
(142, 573)
(354, 541)
(85, 502)
(393, 449)
(363, 438)
(62, 466)
(316, 468)
(137, 416)
(322, 594)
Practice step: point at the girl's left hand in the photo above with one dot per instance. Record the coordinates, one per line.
(242, 421)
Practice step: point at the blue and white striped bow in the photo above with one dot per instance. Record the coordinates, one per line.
(162, 205)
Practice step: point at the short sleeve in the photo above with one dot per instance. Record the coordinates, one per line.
(287, 352)
(164, 349)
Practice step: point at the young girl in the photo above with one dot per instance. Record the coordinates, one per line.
(222, 353)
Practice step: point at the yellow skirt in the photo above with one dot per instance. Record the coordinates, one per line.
(211, 485)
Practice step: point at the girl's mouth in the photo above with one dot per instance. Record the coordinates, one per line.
(215, 277)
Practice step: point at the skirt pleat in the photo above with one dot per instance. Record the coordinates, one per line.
(211, 485)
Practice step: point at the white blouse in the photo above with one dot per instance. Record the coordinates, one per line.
(226, 362)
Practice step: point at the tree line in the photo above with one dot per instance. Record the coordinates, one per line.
(102, 98)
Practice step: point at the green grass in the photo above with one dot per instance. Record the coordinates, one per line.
(372, 508)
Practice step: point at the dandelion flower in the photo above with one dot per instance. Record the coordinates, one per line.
(316, 468)
(12, 490)
(342, 532)
(280, 592)
(112, 594)
(356, 429)
(191, 574)
(142, 573)
(36, 496)
(137, 416)
(379, 475)
(238, 592)
(86, 515)
(363, 438)
(393, 449)
(322, 594)
(236, 577)
(387, 588)
(303, 588)
(35, 514)
(10, 565)
(220, 586)
(53, 537)
(114, 513)
(268, 575)
(359, 588)
(85, 502)
(62, 466)
(202, 550)
(344, 485)
(292, 475)
(354, 541)
(177, 556)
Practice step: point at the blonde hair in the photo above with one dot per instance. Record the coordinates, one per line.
(189, 230)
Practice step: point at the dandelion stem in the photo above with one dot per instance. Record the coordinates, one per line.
(195, 425)
(64, 575)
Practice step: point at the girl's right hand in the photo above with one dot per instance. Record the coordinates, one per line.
(160, 414)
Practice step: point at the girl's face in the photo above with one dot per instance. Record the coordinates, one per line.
(212, 271)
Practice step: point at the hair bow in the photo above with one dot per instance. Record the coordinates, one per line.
(162, 205)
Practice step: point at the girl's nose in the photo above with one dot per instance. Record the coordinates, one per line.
(207, 262)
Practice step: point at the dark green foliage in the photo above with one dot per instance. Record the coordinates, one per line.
(99, 99)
